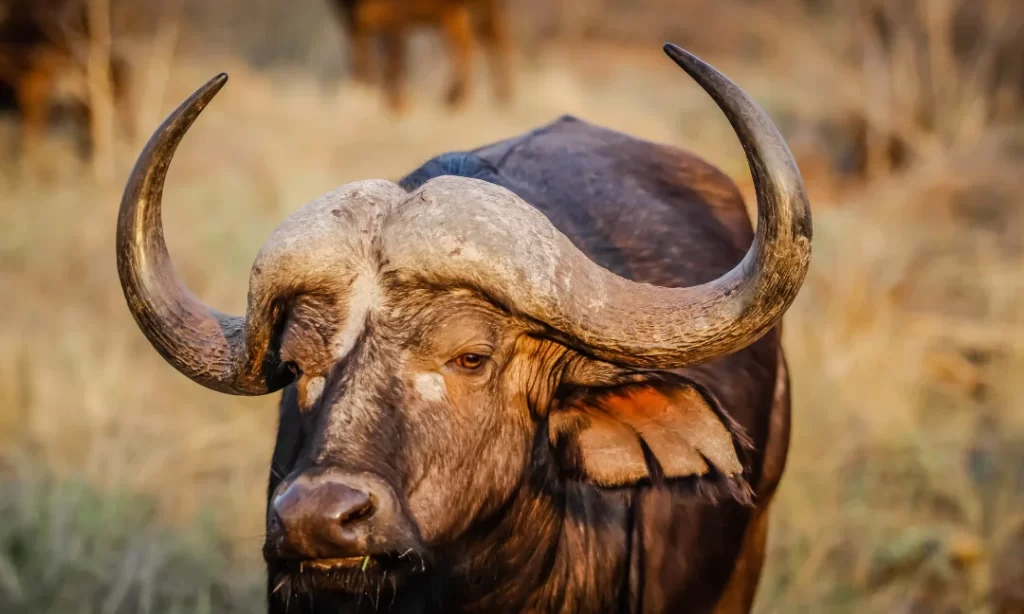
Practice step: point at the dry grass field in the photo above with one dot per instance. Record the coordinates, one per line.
(126, 488)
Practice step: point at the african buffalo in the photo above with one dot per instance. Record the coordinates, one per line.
(541, 376)
(460, 21)
(41, 42)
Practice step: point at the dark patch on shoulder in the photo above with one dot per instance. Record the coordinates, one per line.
(500, 152)
(458, 163)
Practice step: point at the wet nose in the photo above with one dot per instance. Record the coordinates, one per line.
(320, 516)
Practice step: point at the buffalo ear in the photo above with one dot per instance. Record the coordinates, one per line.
(620, 435)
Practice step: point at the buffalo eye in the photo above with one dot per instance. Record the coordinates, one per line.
(294, 369)
(470, 362)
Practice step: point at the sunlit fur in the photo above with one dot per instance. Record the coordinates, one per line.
(500, 519)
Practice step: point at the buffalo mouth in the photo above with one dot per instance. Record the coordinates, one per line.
(366, 574)
(352, 562)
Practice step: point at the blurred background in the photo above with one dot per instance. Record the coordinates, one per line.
(126, 488)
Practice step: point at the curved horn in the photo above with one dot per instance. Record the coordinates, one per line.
(541, 274)
(222, 352)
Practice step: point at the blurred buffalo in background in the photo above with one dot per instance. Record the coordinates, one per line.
(46, 50)
(461, 22)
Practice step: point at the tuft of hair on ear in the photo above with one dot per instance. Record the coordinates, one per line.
(714, 487)
(660, 428)
(739, 434)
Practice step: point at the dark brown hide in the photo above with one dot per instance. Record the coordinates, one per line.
(462, 23)
(660, 215)
(654, 214)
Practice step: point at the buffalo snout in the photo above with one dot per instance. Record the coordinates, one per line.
(329, 515)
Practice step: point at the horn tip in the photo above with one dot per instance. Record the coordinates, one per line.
(217, 82)
(209, 89)
(686, 60)
(671, 48)
(676, 52)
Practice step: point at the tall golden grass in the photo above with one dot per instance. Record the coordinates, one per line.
(905, 482)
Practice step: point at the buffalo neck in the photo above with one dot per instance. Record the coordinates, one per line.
(558, 546)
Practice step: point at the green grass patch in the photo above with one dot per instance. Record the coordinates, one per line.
(66, 547)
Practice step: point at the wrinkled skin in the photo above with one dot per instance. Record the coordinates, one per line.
(507, 500)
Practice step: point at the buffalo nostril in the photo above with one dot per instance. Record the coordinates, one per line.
(274, 524)
(321, 517)
(352, 507)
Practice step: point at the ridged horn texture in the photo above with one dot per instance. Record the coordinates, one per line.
(222, 352)
(465, 232)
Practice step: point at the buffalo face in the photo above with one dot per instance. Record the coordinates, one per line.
(412, 426)
(422, 409)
